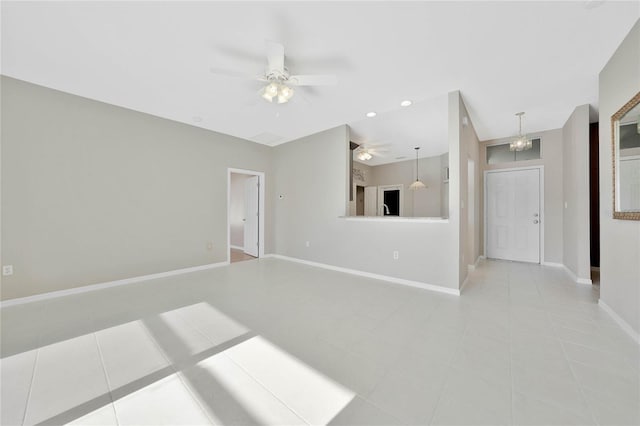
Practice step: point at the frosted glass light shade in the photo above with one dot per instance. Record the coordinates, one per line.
(417, 185)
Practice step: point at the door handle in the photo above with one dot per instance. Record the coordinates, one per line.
(535, 215)
(535, 221)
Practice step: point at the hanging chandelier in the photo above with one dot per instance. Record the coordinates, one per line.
(521, 142)
(418, 183)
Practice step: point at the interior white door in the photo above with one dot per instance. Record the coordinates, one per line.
(371, 201)
(513, 215)
(251, 215)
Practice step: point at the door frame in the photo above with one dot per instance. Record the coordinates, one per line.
(381, 189)
(542, 218)
(261, 191)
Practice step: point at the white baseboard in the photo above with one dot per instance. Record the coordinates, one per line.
(575, 278)
(622, 323)
(464, 283)
(108, 284)
(236, 247)
(473, 267)
(569, 272)
(395, 280)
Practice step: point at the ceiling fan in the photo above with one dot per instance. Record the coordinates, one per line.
(366, 152)
(279, 82)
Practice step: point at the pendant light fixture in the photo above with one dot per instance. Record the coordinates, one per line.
(417, 184)
(521, 142)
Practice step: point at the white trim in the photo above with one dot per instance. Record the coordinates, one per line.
(553, 265)
(382, 189)
(394, 219)
(108, 284)
(473, 267)
(464, 283)
(261, 191)
(541, 196)
(394, 280)
(574, 277)
(571, 274)
(622, 323)
(236, 247)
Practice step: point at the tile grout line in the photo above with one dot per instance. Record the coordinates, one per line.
(255, 379)
(449, 368)
(575, 378)
(106, 377)
(193, 396)
(174, 367)
(509, 284)
(33, 378)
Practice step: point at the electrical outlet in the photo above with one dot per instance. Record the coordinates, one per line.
(7, 270)
(396, 255)
(307, 244)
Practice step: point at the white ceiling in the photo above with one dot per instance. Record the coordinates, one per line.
(401, 129)
(505, 57)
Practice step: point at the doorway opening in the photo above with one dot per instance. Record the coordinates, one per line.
(359, 200)
(594, 201)
(245, 215)
(390, 200)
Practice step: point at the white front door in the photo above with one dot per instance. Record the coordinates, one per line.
(513, 215)
(251, 214)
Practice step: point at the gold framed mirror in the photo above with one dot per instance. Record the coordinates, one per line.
(625, 144)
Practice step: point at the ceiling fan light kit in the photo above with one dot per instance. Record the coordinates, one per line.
(280, 91)
(364, 156)
(521, 142)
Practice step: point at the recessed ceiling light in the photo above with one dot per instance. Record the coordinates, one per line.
(406, 103)
(371, 114)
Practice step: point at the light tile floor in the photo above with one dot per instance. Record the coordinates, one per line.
(274, 342)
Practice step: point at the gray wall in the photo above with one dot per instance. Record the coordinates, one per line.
(311, 175)
(575, 183)
(466, 208)
(92, 192)
(619, 239)
(423, 203)
(551, 152)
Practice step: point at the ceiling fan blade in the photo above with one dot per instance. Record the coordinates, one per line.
(235, 74)
(313, 80)
(275, 56)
